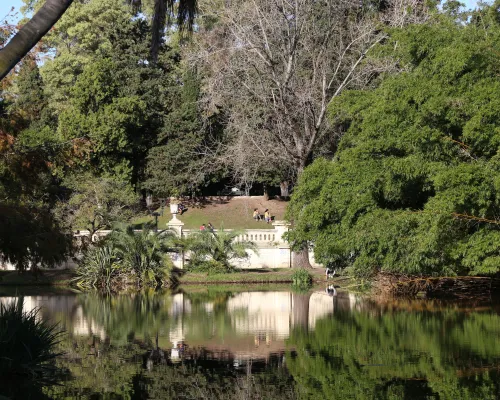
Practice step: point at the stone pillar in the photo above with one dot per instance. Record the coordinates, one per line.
(176, 225)
(284, 259)
(280, 227)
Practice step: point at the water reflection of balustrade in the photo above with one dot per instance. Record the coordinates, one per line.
(257, 318)
(82, 326)
(50, 306)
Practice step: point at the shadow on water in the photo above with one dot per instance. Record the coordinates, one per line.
(226, 344)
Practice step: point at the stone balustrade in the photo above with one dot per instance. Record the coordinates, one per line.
(273, 251)
(261, 237)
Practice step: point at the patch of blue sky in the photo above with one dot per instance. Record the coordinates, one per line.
(6, 7)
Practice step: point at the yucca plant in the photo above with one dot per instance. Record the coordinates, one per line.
(99, 268)
(217, 249)
(27, 343)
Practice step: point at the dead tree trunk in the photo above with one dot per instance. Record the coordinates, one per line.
(284, 189)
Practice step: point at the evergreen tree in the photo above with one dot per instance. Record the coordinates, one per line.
(174, 164)
(414, 187)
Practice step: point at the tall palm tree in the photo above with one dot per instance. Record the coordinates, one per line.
(47, 16)
(186, 11)
(144, 253)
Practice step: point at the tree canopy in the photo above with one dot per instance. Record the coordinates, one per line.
(414, 185)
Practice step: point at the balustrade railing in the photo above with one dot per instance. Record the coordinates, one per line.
(258, 236)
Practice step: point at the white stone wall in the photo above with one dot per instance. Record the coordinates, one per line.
(273, 250)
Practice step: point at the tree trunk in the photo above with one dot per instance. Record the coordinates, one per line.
(300, 303)
(31, 33)
(266, 193)
(284, 189)
(300, 258)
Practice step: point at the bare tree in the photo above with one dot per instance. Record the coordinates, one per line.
(274, 66)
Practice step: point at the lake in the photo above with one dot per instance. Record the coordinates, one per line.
(221, 344)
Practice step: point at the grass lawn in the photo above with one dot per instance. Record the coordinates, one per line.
(263, 276)
(235, 213)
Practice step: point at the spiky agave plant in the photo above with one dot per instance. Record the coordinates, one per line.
(27, 343)
(220, 248)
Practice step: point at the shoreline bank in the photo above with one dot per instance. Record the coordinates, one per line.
(386, 285)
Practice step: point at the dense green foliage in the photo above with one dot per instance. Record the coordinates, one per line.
(76, 130)
(173, 167)
(127, 257)
(30, 233)
(97, 203)
(100, 46)
(414, 186)
(301, 279)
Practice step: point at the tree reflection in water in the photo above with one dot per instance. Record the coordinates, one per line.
(275, 345)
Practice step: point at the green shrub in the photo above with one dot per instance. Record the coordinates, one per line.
(209, 267)
(127, 257)
(143, 255)
(302, 278)
(99, 268)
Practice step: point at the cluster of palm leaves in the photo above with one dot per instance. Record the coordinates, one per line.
(27, 344)
(128, 257)
(215, 251)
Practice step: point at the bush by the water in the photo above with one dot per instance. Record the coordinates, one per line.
(127, 257)
(27, 344)
(301, 278)
(209, 267)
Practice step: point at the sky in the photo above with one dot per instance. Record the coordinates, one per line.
(6, 5)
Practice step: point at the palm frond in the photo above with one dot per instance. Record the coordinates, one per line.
(27, 343)
(163, 10)
(219, 247)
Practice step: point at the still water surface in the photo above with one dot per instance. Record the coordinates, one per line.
(218, 344)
